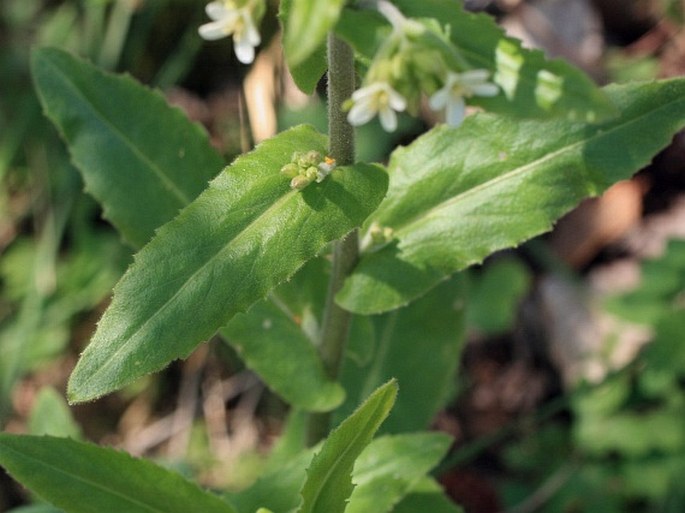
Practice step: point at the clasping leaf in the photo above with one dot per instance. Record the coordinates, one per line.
(329, 477)
(248, 232)
(457, 196)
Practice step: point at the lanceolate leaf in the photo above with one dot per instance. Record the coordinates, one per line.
(391, 466)
(457, 195)
(276, 338)
(329, 477)
(131, 147)
(248, 232)
(271, 343)
(83, 478)
(397, 462)
(76, 94)
(418, 345)
(531, 85)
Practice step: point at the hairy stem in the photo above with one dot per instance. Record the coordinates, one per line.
(336, 321)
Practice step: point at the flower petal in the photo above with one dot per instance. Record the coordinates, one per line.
(439, 99)
(251, 33)
(213, 30)
(360, 113)
(244, 51)
(396, 100)
(388, 120)
(216, 10)
(455, 112)
(486, 89)
(474, 76)
(366, 92)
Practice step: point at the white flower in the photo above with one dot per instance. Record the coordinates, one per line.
(324, 169)
(457, 87)
(377, 98)
(229, 19)
(399, 22)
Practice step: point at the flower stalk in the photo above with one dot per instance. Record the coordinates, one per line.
(336, 321)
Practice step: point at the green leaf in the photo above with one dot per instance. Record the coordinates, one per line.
(272, 344)
(309, 71)
(662, 282)
(420, 346)
(50, 415)
(276, 339)
(532, 85)
(495, 294)
(36, 508)
(401, 459)
(248, 232)
(131, 147)
(390, 466)
(427, 496)
(363, 30)
(277, 490)
(80, 477)
(329, 477)
(458, 195)
(307, 23)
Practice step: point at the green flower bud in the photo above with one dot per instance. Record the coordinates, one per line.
(305, 160)
(300, 182)
(311, 172)
(380, 234)
(290, 170)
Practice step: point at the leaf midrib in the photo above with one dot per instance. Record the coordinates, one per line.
(410, 224)
(149, 164)
(78, 477)
(166, 304)
(350, 446)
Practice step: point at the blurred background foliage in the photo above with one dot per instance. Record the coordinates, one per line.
(570, 395)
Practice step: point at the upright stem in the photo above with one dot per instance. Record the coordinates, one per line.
(341, 84)
(336, 321)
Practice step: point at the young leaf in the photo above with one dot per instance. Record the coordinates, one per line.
(532, 86)
(329, 477)
(84, 478)
(309, 71)
(248, 232)
(420, 347)
(391, 466)
(307, 23)
(131, 147)
(457, 195)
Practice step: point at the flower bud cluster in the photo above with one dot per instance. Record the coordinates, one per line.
(376, 237)
(416, 58)
(307, 167)
(237, 18)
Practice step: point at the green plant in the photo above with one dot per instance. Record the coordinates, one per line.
(328, 276)
(625, 448)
